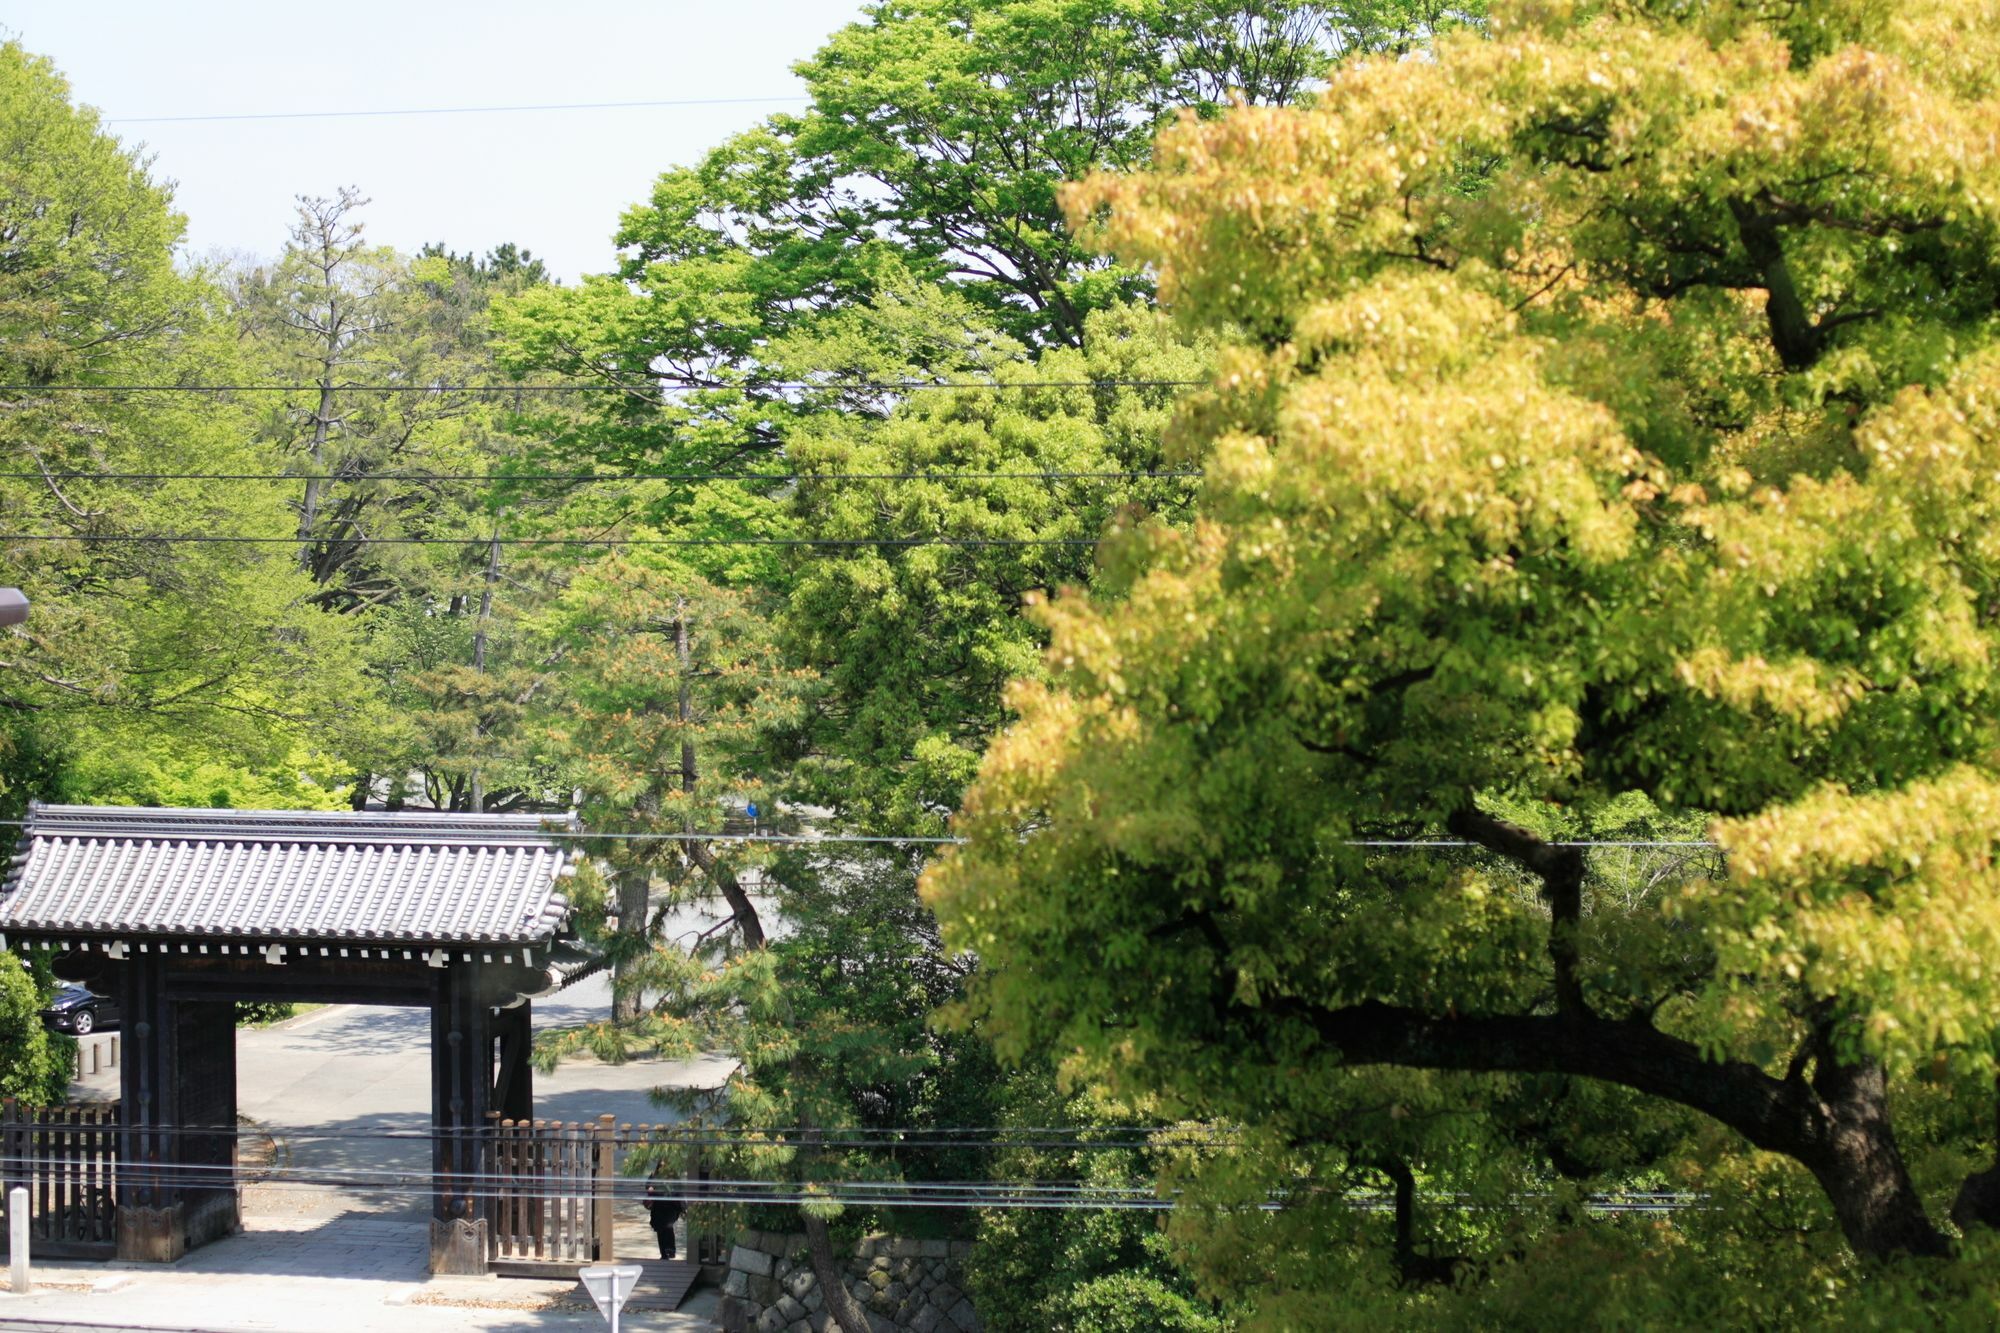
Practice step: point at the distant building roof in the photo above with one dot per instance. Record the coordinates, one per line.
(416, 878)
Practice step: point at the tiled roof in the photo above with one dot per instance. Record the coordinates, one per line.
(286, 875)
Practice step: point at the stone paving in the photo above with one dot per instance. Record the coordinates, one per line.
(345, 1275)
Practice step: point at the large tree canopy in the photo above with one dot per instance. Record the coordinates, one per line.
(1614, 407)
(142, 660)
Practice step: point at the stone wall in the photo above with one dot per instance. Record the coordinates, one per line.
(902, 1284)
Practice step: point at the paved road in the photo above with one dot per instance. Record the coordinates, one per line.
(352, 1070)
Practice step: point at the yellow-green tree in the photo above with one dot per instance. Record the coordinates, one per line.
(1613, 407)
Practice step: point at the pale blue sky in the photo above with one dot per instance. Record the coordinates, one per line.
(552, 181)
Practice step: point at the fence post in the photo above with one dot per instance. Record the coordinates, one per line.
(17, 1240)
(603, 1198)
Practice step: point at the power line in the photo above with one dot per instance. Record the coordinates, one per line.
(605, 478)
(783, 838)
(809, 838)
(677, 1133)
(665, 384)
(456, 110)
(1589, 842)
(197, 539)
(490, 1184)
(891, 839)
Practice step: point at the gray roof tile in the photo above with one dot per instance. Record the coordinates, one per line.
(286, 875)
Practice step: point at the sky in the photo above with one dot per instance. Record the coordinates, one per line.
(552, 181)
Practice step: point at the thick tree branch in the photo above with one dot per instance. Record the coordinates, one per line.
(1767, 1111)
(1561, 871)
(1838, 1127)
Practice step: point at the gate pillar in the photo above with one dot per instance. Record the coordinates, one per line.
(177, 1141)
(462, 1034)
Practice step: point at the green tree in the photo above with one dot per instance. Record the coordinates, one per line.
(403, 501)
(1081, 1270)
(914, 645)
(1612, 410)
(34, 1063)
(198, 657)
(668, 689)
(938, 135)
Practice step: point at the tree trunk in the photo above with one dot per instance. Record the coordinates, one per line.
(747, 922)
(1837, 1126)
(316, 455)
(1861, 1169)
(840, 1302)
(632, 905)
(1413, 1268)
(479, 664)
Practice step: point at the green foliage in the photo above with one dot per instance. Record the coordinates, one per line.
(916, 645)
(1605, 434)
(263, 1013)
(1130, 1303)
(202, 657)
(34, 1063)
(1076, 1270)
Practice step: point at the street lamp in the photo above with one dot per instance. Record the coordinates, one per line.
(13, 606)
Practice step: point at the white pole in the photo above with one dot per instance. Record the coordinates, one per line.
(17, 1239)
(614, 1310)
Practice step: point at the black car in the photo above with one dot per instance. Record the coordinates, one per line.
(78, 1012)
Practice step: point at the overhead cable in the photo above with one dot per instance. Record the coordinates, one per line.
(808, 838)
(664, 384)
(231, 539)
(686, 1135)
(492, 1184)
(455, 110)
(895, 839)
(604, 478)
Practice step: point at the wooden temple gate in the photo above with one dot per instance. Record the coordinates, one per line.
(183, 914)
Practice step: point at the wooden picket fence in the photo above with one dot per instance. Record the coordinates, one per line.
(67, 1157)
(553, 1193)
(550, 1201)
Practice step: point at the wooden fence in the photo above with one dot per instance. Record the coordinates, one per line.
(67, 1157)
(555, 1186)
(550, 1202)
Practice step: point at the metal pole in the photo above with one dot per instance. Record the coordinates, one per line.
(17, 1239)
(614, 1309)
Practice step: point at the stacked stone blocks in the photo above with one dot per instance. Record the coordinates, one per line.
(901, 1284)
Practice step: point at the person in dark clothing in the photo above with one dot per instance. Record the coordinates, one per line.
(665, 1212)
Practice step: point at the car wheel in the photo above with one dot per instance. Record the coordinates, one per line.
(85, 1021)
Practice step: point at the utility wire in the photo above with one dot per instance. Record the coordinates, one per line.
(683, 1135)
(892, 839)
(667, 384)
(203, 539)
(808, 839)
(602, 478)
(455, 110)
(494, 1184)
